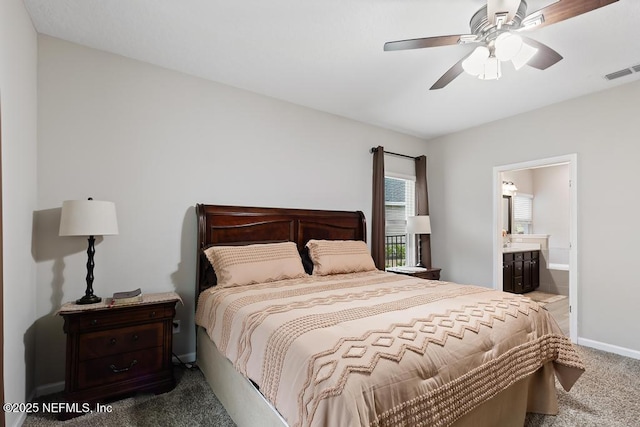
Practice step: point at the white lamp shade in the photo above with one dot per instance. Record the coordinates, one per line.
(507, 46)
(88, 218)
(491, 69)
(523, 56)
(474, 64)
(420, 224)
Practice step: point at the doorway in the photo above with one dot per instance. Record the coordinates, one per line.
(498, 171)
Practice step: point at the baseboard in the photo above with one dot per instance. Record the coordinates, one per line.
(43, 390)
(186, 358)
(23, 415)
(610, 348)
(20, 420)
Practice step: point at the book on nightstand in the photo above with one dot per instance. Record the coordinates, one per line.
(407, 269)
(128, 297)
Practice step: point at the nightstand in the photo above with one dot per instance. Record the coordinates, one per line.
(113, 351)
(429, 273)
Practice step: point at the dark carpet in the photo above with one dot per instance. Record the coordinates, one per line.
(191, 403)
(607, 394)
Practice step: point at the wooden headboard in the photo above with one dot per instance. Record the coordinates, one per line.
(245, 225)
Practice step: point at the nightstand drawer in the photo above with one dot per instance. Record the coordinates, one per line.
(119, 367)
(105, 343)
(128, 315)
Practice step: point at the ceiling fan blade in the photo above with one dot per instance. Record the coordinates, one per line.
(422, 43)
(450, 75)
(497, 7)
(562, 10)
(545, 57)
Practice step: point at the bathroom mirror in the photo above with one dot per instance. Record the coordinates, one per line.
(506, 213)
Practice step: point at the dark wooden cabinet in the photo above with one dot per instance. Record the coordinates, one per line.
(520, 271)
(113, 351)
(431, 273)
(507, 273)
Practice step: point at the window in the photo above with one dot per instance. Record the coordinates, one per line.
(523, 214)
(399, 204)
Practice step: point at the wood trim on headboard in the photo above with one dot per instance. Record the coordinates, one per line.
(219, 225)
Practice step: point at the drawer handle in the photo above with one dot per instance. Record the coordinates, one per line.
(113, 341)
(135, 337)
(152, 314)
(116, 370)
(94, 322)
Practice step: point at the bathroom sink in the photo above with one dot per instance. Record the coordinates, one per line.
(519, 247)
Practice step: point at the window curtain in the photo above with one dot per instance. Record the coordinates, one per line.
(377, 211)
(422, 206)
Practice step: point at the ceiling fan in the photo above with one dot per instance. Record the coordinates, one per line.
(495, 28)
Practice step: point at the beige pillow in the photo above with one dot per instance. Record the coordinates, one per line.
(339, 256)
(259, 263)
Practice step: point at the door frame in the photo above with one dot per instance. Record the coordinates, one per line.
(2, 419)
(572, 161)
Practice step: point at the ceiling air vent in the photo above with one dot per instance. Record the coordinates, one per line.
(624, 72)
(618, 74)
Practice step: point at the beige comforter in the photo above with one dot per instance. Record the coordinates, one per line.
(379, 348)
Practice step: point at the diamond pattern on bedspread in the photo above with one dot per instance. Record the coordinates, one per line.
(377, 348)
(414, 336)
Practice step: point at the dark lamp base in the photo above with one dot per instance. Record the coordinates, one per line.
(89, 299)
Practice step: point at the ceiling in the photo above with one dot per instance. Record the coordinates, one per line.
(328, 54)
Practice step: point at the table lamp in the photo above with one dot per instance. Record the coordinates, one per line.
(419, 224)
(88, 218)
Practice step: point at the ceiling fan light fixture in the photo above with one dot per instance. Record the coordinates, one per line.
(523, 56)
(492, 69)
(475, 63)
(508, 46)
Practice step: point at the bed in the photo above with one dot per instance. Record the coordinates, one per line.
(350, 345)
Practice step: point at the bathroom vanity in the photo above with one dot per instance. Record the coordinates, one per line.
(520, 269)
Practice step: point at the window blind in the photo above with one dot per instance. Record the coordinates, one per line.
(523, 208)
(399, 204)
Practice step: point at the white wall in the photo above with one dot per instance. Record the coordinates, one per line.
(18, 98)
(552, 204)
(603, 130)
(156, 142)
(523, 179)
